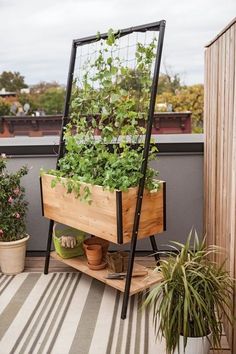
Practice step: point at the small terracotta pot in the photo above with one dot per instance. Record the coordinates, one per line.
(94, 254)
(96, 241)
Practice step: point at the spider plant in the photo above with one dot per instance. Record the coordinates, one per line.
(194, 295)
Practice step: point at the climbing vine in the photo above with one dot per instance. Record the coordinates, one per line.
(109, 107)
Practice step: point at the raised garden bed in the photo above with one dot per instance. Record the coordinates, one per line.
(110, 215)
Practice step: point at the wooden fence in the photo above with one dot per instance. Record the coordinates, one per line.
(220, 151)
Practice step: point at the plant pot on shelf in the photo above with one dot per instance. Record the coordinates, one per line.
(125, 260)
(114, 262)
(117, 261)
(94, 254)
(110, 215)
(12, 256)
(94, 240)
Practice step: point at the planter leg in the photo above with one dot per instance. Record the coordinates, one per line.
(49, 243)
(155, 249)
(128, 278)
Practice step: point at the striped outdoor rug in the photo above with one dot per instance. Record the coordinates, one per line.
(70, 313)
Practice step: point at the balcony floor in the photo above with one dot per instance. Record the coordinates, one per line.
(125, 329)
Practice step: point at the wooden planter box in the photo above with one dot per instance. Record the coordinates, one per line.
(110, 215)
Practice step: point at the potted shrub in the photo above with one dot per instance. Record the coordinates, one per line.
(104, 170)
(194, 295)
(13, 208)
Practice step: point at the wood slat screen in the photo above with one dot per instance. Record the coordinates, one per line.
(220, 151)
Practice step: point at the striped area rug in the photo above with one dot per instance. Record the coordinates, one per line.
(62, 313)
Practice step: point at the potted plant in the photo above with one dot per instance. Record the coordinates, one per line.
(194, 295)
(104, 171)
(13, 208)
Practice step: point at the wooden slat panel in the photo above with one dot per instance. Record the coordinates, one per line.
(220, 152)
(233, 199)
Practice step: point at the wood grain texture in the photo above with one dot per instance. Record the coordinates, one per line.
(137, 284)
(151, 219)
(100, 217)
(220, 153)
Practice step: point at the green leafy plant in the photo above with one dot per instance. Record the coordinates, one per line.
(110, 99)
(13, 206)
(194, 295)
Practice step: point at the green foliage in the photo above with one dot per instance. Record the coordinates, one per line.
(104, 101)
(31, 99)
(169, 83)
(93, 163)
(48, 97)
(12, 81)
(113, 107)
(4, 107)
(52, 100)
(13, 206)
(44, 86)
(187, 98)
(194, 295)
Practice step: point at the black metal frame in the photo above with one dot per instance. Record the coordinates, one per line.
(156, 26)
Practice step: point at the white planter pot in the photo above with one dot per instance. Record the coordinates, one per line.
(12, 256)
(198, 345)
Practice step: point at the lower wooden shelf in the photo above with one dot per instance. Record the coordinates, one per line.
(137, 284)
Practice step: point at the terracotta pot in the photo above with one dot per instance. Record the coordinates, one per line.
(97, 241)
(12, 256)
(94, 254)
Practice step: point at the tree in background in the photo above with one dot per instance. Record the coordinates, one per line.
(52, 100)
(4, 107)
(31, 99)
(49, 96)
(44, 86)
(169, 82)
(45, 96)
(12, 81)
(187, 98)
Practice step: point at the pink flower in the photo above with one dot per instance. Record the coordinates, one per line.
(1, 233)
(10, 200)
(16, 191)
(17, 215)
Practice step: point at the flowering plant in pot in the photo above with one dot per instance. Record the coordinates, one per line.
(192, 299)
(13, 208)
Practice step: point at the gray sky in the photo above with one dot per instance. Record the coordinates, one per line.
(35, 36)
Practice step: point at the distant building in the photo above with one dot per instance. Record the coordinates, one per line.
(7, 94)
(25, 90)
(10, 126)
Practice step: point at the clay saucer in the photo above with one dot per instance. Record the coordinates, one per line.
(97, 267)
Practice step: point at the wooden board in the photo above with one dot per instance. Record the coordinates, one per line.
(100, 217)
(152, 213)
(137, 284)
(220, 153)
